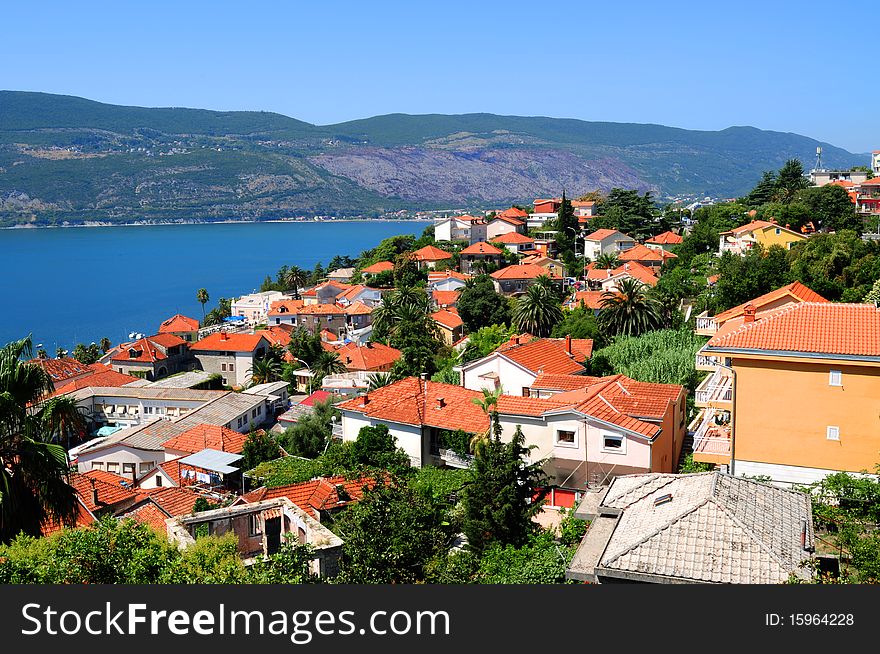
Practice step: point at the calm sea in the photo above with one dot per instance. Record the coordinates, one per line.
(71, 285)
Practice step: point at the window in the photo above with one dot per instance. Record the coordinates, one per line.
(112, 467)
(239, 422)
(612, 443)
(832, 433)
(835, 378)
(231, 367)
(158, 481)
(225, 382)
(253, 413)
(566, 438)
(222, 367)
(527, 392)
(144, 468)
(778, 231)
(98, 465)
(254, 525)
(127, 468)
(260, 410)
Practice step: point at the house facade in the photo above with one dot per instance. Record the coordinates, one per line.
(479, 257)
(758, 232)
(254, 308)
(152, 357)
(606, 241)
(231, 356)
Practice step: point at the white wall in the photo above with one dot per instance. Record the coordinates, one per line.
(511, 378)
(118, 455)
(408, 437)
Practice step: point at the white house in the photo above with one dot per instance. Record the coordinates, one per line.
(606, 241)
(255, 307)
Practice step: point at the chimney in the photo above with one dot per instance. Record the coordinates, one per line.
(749, 313)
(568, 343)
(441, 403)
(347, 360)
(366, 399)
(224, 336)
(94, 492)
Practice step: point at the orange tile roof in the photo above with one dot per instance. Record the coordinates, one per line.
(590, 299)
(547, 355)
(358, 309)
(166, 340)
(109, 379)
(602, 234)
(109, 486)
(822, 328)
(179, 323)
(564, 382)
(284, 307)
(408, 402)
(795, 291)
(448, 319)
(521, 271)
(841, 182)
(480, 247)
(61, 369)
(328, 336)
(175, 501)
(350, 293)
(637, 271)
(874, 181)
(205, 436)
(316, 494)
(666, 238)
(513, 212)
(372, 356)
(751, 226)
(582, 203)
(276, 335)
(321, 310)
(381, 266)
(445, 298)
(512, 238)
(83, 518)
(642, 252)
(148, 349)
(151, 514)
(438, 275)
(430, 253)
(224, 342)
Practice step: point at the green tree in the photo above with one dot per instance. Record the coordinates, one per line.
(486, 340)
(105, 345)
(873, 296)
(742, 278)
(216, 315)
(62, 419)
(538, 561)
(258, 447)
(203, 298)
(629, 311)
(503, 495)
(87, 354)
(390, 535)
(577, 323)
(838, 266)
(831, 208)
(376, 447)
(312, 432)
(295, 278)
(664, 356)
(607, 260)
(568, 231)
(789, 181)
(537, 311)
(328, 363)
(480, 305)
(34, 486)
(764, 190)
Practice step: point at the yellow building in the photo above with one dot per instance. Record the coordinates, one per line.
(805, 390)
(758, 232)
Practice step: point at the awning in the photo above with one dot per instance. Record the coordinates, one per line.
(213, 460)
(108, 430)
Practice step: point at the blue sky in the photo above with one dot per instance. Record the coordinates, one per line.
(787, 66)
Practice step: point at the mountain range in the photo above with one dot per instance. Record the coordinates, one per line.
(69, 159)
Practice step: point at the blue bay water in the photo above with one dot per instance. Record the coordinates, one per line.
(70, 285)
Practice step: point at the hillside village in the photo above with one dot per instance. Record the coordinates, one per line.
(670, 377)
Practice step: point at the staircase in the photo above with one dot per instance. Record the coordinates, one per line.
(687, 447)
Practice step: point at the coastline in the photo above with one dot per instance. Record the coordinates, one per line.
(218, 222)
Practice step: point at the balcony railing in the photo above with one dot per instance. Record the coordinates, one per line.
(454, 460)
(717, 387)
(707, 362)
(710, 438)
(706, 325)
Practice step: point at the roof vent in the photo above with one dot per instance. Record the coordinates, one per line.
(441, 403)
(663, 499)
(749, 313)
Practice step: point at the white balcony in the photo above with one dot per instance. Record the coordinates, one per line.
(712, 442)
(706, 325)
(715, 390)
(707, 362)
(454, 460)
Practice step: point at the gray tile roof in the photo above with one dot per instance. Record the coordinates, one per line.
(715, 529)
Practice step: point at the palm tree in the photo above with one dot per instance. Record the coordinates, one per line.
(60, 353)
(606, 261)
(34, 486)
(630, 311)
(203, 298)
(105, 345)
(265, 370)
(62, 418)
(328, 363)
(538, 311)
(377, 380)
(489, 404)
(294, 278)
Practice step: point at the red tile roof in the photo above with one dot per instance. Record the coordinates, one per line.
(666, 238)
(823, 328)
(109, 486)
(795, 292)
(642, 252)
(415, 402)
(439, 275)
(316, 396)
(224, 342)
(564, 382)
(637, 271)
(285, 307)
(317, 494)
(513, 212)
(430, 253)
(445, 298)
(372, 356)
(874, 181)
(321, 310)
(179, 323)
(109, 379)
(547, 355)
(276, 334)
(521, 271)
(151, 514)
(590, 299)
(61, 369)
(481, 247)
(175, 501)
(448, 319)
(358, 309)
(512, 238)
(202, 437)
(602, 234)
(140, 351)
(382, 266)
(83, 518)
